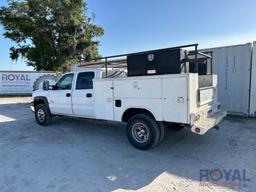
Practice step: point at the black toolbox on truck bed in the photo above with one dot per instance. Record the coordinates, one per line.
(155, 62)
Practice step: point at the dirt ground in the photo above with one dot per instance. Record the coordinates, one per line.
(78, 155)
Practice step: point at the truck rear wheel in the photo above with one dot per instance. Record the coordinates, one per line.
(162, 132)
(143, 131)
(42, 114)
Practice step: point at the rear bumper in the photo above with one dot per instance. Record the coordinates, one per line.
(207, 122)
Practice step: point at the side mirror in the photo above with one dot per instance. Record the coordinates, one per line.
(46, 85)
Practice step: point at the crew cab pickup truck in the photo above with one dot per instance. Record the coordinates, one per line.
(147, 103)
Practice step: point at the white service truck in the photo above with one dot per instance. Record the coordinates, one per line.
(147, 103)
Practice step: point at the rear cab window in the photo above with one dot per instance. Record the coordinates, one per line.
(84, 80)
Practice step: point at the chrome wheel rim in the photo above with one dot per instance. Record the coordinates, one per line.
(41, 115)
(140, 132)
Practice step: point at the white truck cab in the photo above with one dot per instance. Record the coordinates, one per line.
(73, 94)
(147, 103)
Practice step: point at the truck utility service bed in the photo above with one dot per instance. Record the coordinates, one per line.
(170, 98)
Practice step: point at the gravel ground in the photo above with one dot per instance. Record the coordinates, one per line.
(84, 155)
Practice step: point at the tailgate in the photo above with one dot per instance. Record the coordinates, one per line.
(206, 95)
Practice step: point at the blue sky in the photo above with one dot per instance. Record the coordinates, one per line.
(137, 25)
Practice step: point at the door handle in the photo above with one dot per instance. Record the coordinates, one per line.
(68, 94)
(88, 95)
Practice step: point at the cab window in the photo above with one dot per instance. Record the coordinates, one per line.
(65, 82)
(84, 80)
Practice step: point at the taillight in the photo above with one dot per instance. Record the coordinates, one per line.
(197, 130)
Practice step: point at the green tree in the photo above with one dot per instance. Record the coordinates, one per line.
(50, 34)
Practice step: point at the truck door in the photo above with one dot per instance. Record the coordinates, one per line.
(82, 96)
(60, 96)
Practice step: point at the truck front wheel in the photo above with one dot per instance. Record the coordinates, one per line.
(143, 131)
(42, 114)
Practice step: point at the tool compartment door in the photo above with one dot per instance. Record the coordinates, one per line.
(175, 99)
(103, 94)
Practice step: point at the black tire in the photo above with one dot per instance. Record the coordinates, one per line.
(150, 130)
(42, 114)
(162, 132)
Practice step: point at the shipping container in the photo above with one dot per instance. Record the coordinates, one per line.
(232, 64)
(253, 82)
(23, 82)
